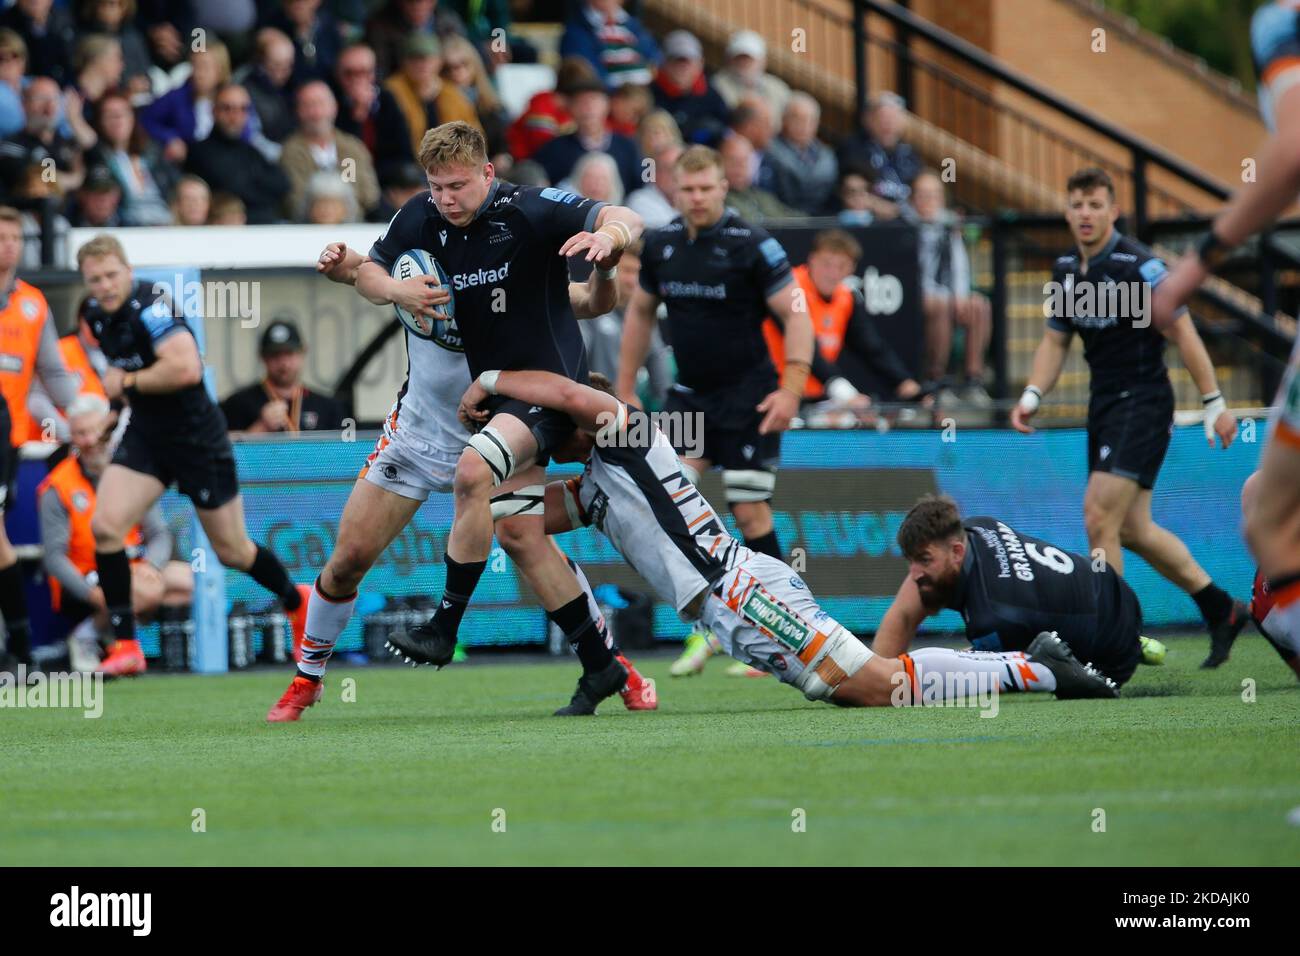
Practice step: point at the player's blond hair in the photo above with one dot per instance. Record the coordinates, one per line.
(10, 214)
(452, 144)
(698, 158)
(100, 246)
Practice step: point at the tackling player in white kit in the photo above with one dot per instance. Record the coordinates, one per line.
(635, 492)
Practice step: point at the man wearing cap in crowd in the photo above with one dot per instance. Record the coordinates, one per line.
(280, 402)
(682, 89)
(746, 73)
(97, 201)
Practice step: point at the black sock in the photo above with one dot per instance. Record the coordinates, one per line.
(766, 544)
(115, 581)
(461, 581)
(314, 678)
(587, 641)
(1214, 602)
(270, 573)
(13, 608)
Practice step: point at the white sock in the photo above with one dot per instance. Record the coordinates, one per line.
(326, 619)
(1012, 670)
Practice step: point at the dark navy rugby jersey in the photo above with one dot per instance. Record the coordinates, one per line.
(510, 285)
(1121, 345)
(715, 287)
(128, 338)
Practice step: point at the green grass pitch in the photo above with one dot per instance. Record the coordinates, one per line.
(423, 764)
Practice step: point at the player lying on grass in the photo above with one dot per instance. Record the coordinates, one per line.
(634, 491)
(1268, 612)
(1010, 587)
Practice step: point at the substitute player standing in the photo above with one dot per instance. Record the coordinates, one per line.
(29, 349)
(635, 492)
(1131, 400)
(176, 434)
(1273, 522)
(720, 278)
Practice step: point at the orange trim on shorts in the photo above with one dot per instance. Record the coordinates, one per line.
(1286, 434)
(1277, 67)
(815, 645)
(910, 667)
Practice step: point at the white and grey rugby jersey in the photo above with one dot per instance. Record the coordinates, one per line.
(634, 491)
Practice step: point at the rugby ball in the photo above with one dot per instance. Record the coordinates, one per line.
(414, 262)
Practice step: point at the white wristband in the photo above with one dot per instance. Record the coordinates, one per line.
(841, 390)
(607, 273)
(1214, 407)
(489, 381)
(1030, 398)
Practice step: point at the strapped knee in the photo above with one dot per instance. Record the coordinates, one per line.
(492, 447)
(528, 500)
(748, 486)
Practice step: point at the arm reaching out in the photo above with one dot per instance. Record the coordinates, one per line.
(900, 622)
(589, 408)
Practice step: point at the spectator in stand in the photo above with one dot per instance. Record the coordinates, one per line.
(191, 202)
(145, 178)
(116, 19)
(49, 35)
(590, 106)
(596, 176)
(328, 201)
(392, 27)
(629, 104)
(657, 132)
(946, 295)
(547, 114)
(750, 202)
(40, 140)
(655, 201)
(318, 147)
(841, 322)
(98, 63)
(745, 74)
(269, 81)
(613, 41)
(880, 150)
(683, 90)
(400, 185)
(462, 66)
(855, 198)
(804, 168)
(358, 95)
(166, 25)
(229, 163)
(415, 100)
(752, 119)
(315, 36)
(280, 402)
(13, 64)
(179, 119)
(527, 172)
(482, 18)
(227, 210)
(97, 203)
(32, 191)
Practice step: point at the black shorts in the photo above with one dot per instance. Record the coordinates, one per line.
(1114, 649)
(730, 420)
(8, 471)
(73, 610)
(550, 428)
(1129, 432)
(204, 473)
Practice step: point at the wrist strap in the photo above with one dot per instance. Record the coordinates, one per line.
(489, 381)
(1210, 397)
(1212, 250)
(607, 273)
(794, 376)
